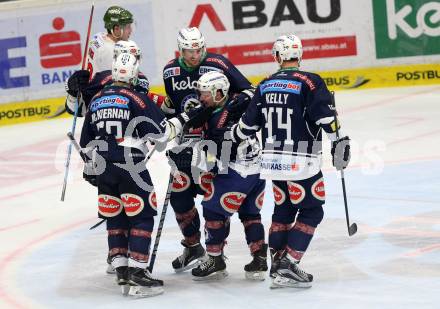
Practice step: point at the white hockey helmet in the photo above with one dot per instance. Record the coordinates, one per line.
(288, 47)
(190, 38)
(213, 81)
(127, 47)
(125, 68)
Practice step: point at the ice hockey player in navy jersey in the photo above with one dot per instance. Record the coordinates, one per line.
(180, 77)
(292, 108)
(117, 126)
(231, 186)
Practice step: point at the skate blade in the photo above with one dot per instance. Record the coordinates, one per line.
(143, 291)
(110, 269)
(125, 289)
(255, 275)
(191, 265)
(283, 282)
(216, 276)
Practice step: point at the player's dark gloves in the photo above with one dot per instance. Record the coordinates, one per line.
(341, 153)
(195, 117)
(77, 82)
(239, 104)
(181, 157)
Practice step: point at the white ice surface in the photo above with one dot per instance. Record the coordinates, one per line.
(49, 258)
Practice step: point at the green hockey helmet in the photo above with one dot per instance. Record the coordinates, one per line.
(116, 15)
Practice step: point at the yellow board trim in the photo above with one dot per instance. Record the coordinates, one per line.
(364, 78)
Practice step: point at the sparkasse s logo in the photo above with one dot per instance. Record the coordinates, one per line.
(406, 27)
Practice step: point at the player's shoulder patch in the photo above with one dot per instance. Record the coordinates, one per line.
(217, 61)
(96, 42)
(306, 79)
(171, 71)
(206, 68)
(135, 97)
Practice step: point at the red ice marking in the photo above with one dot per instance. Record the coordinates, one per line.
(388, 101)
(407, 139)
(30, 167)
(13, 256)
(7, 228)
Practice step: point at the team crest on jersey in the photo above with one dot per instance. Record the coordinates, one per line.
(152, 200)
(109, 206)
(260, 200)
(231, 201)
(189, 102)
(318, 189)
(109, 101)
(204, 69)
(206, 185)
(278, 195)
(297, 193)
(133, 204)
(174, 71)
(281, 85)
(181, 182)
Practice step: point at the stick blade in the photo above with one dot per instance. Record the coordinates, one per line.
(352, 229)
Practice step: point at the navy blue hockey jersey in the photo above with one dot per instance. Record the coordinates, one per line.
(113, 117)
(242, 157)
(290, 107)
(181, 81)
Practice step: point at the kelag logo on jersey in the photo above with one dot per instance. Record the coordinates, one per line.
(110, 101)
(174, 71)
(281, 85)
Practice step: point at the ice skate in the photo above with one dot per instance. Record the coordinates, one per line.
(122, 279)
(290, 275)
(142, 284)
(110, 269)
(256, 269)
(191, 257)
(275, 262)
(214, 268)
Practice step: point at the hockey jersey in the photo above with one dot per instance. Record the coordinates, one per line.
(181, 82)
(100, 53)
(112, 117)
(241, 157)
(291, 107)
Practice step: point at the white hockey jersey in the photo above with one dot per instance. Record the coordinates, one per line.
(100, 53)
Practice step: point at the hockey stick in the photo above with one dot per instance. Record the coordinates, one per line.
(164, 208)
(352, 229)
(75, 116)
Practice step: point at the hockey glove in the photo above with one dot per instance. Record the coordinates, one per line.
(239, 104)
(195, 117)
(89, 173)
(341, 153)
(77, 81)
(180, 157)
(143, 85)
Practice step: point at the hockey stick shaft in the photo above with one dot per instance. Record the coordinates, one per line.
(75, 116)
(352, 229)
(164, 210)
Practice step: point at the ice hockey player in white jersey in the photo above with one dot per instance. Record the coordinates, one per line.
(292, 108)
(118, 23)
